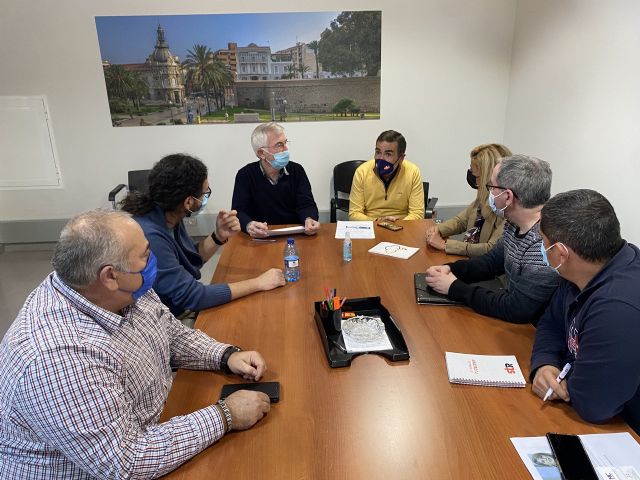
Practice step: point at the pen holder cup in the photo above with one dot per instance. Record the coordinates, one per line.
(332, 320)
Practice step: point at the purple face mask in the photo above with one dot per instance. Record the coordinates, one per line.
(383, 167)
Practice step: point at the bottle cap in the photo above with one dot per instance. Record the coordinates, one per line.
(289, 241)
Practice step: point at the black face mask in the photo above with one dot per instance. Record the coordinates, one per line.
(471, 180)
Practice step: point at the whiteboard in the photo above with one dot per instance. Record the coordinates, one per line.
(27, 148)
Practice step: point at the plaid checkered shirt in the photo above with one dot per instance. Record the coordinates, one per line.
(82, 389)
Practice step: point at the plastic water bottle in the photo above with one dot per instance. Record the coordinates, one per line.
(291, 262)
(346, 248)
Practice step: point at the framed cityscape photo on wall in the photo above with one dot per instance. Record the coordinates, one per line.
(230, 68)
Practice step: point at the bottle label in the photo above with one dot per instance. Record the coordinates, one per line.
(292, 263)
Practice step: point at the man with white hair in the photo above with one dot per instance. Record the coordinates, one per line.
(273, 190)
(85, 369)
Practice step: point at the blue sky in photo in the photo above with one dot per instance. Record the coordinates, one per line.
(131, 39)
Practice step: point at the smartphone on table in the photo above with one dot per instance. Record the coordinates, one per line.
(272, 389)
(572, 458)
(390, 226)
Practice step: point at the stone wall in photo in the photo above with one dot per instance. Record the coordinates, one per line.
(309, 96)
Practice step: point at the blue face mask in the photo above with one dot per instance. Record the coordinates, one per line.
(148, 273)
(384, 168)
(280, 160)
(545, 259)
(203, 202)
(492, 204)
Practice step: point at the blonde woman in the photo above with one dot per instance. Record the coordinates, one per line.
(481, 227)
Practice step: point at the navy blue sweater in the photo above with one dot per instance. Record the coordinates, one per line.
(530, 283)
(288, 201)
(179, 266)
(598, 331)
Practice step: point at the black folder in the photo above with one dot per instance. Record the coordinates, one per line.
(425, 295)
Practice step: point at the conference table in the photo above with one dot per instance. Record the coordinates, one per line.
(374, 419)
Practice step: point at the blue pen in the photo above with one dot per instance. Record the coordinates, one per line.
(559, 378)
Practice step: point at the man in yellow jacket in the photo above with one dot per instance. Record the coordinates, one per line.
(388, 187)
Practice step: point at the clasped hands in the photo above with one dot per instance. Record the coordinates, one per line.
(434, 239)
(440, 278)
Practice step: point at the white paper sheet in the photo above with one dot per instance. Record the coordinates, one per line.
(286, 231)
(355, 229)
(394, 250)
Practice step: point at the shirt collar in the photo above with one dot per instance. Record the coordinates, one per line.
(108, 320)
(283, 171)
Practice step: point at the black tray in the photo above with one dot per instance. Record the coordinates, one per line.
(361, 306)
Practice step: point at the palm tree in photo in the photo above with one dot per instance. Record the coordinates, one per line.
(302, 69)
(138, 89)
(200, 68)
(314, 46)
(222, 77)
(291, 72)
(118, 81)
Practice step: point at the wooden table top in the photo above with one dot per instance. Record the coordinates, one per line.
(375, 419)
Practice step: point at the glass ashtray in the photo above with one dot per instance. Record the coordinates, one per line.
(363, 328)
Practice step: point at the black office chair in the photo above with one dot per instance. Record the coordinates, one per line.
(138, 182)
(429, 203)
(342, 178)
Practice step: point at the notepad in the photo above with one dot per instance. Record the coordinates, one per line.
(393, 250)
(485, 370)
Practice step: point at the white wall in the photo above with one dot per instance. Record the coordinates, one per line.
(445, 73)
(575, 96)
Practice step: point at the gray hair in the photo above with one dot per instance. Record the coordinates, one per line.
(259, 135)
(87, 243)
(528, 177)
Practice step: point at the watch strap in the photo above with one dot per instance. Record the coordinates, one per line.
(216, 240)
(224, 361)
(227, 414)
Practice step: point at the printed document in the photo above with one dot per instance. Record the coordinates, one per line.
(356, 229)
(615, 456)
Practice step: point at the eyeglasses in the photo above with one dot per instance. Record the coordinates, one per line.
(278, 146)
(491, 187)
(207, 193)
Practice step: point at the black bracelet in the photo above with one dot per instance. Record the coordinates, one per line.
(216, 240)
(224, 361)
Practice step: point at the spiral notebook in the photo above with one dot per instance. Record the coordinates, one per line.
(486, 370)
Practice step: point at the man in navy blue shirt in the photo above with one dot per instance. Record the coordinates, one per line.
(593, 320)
(273, 190)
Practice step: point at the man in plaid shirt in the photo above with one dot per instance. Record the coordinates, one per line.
(85, 369)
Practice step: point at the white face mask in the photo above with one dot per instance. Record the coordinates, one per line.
(492, 204)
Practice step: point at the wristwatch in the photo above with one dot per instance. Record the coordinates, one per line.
(224, 361)
(227, 414)
(216, 239)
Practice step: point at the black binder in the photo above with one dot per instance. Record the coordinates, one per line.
(425, 295)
